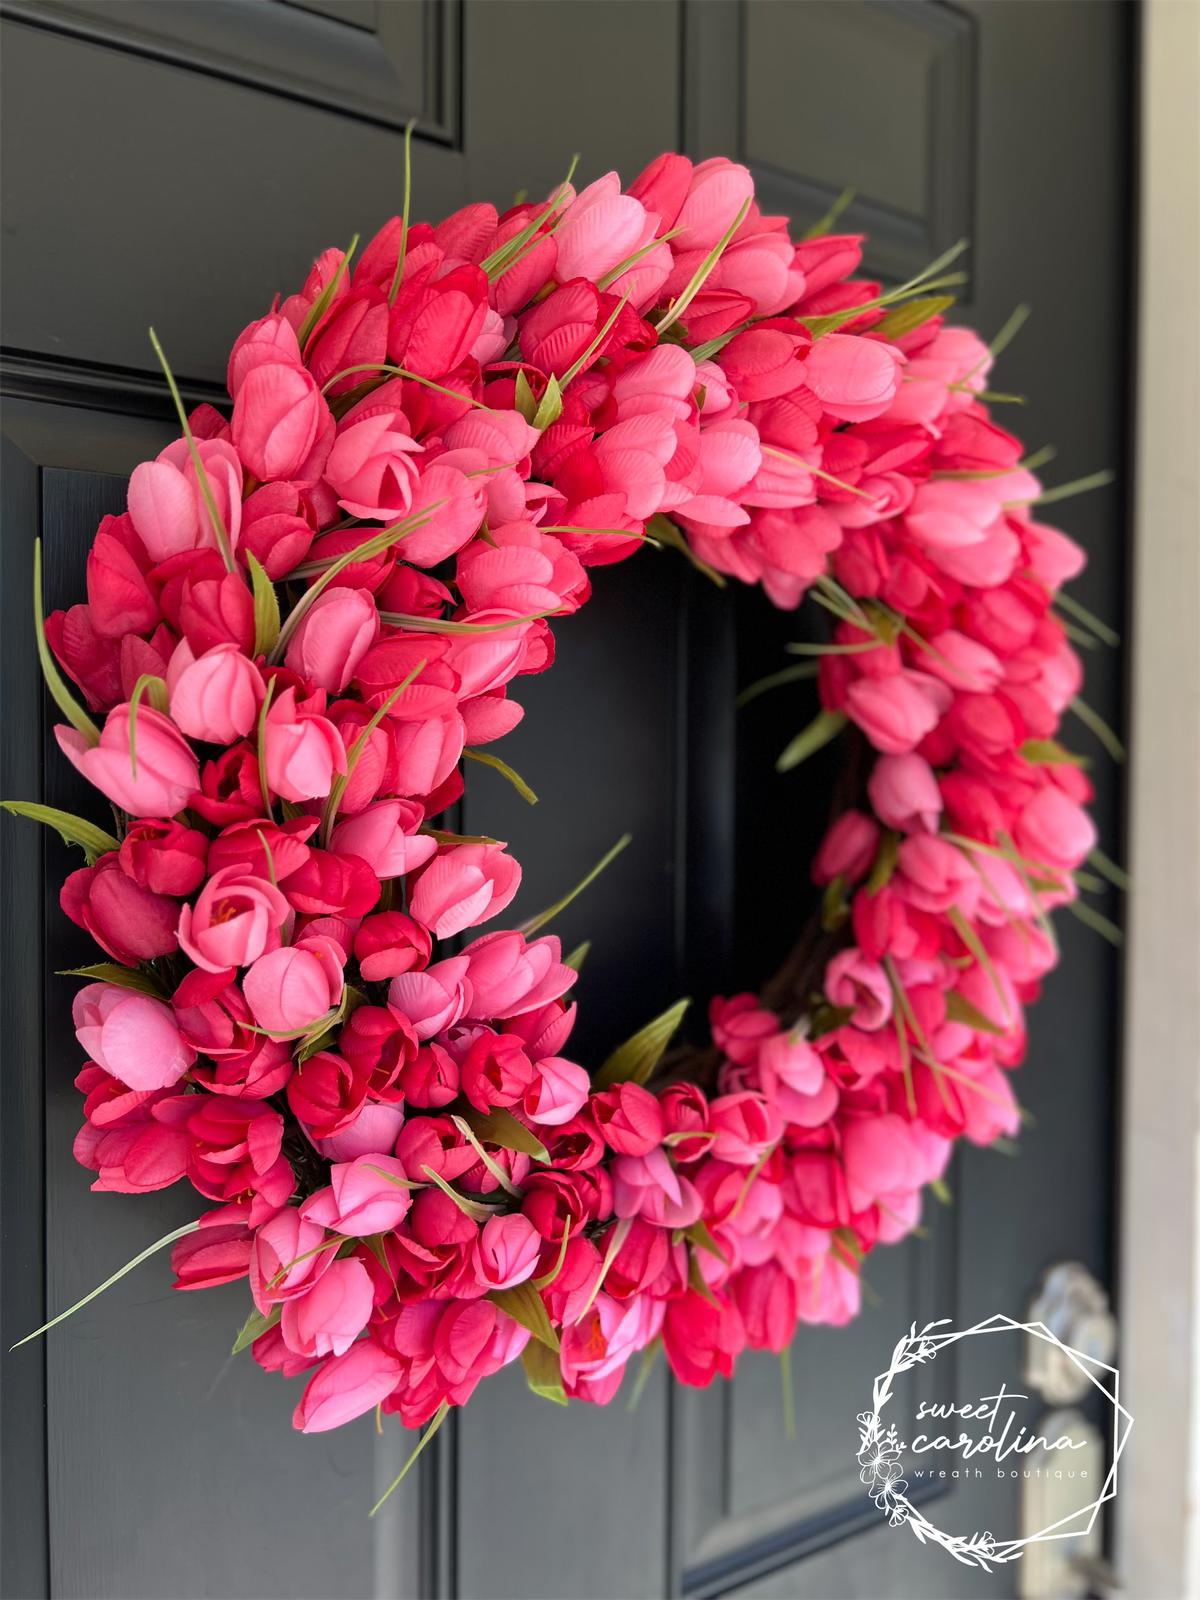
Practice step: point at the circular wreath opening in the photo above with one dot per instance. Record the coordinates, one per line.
(316, 606)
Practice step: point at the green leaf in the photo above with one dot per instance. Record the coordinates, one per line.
(534, 923)
(159, 1244)
(699, 1235)
(1067, 491)
(499, 1126)
(649, 1356)
(525, 1305)
(697, 280)
(913, 315)
(543, 1372)
(1049, 753)
(502, 767)
(975, 945)
(826, 725)
(550, 409)
(960, 1009)
(775, 680)
(490, 1162)
(1097, 922)
(439, 1417)
(697, 1280)
(214, 516)
(93, 841)
(266, 608)
(474, 1209)
(885, 862)
(1103, 632)
(62, 696)
(942, 1190)
(597, 343)
(123, 977)
(254, 1327)
(1109, 869)
(829, 221)
(636, 1059)
(153, 689)
(578, 956)
(1093, 720)
(403, 250)
(525, 400)
(334, 799)
(444, 836)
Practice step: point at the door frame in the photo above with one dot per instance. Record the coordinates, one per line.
(1158, 1506)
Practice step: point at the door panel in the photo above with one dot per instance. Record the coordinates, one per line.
(178, 165)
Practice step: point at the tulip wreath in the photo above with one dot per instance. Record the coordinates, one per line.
(314, 608)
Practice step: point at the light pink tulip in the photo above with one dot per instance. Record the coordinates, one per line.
(304, 750)
(848, 849)
(285, 1260)
(855, 379)
(1053, 829)
(746, 1126)
(132, 1036)
(347, 1386)
(794, 1080)
(385, 836)
(168, 773)
(433, 999)
(465, 886)
(371, 466)
(167, 504)
(338, 629)
(559, 1091)
(327, 1320)
(648, 1186)
(509, 976)
(598, 230)
(719, 189)
(895, 713)
(505, 1251)
(214, 697)
(290, 988)
(236, 918)
(905, 793)
(367, 1195)
(862, 987)
(427, 752)
(374, 1131)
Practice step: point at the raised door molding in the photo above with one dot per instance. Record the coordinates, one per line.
(886, 108)
(384, 61)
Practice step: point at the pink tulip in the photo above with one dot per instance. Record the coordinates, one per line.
(167, 771)
(131, 1035)
(847, 850)
(388, 944)
(862, 987)
(427, 752)
(367, 1195)
(131, 923)
(496, 1071)
(119, 598)
(509, 976)
(434, 999)
(268, 342)
(285, 1260)
(598, 230)
(384, 834)
(235, 920)
(880, 1158)
(648, 1186)
(167, 505)
(289, 989)
(855, 379)
(374, 1130)
(279, 417)
(895, 713)
(278, 526)
(304, 750)
(327, 1320)
(214, 698)
(630, 1118)
(794, 1080)
(765, 362)
(371, 467)
(935, 875)
(522, 570)
(505, 1251)
(338, 629)
(559, 1091)
(905, 793)
(719, 188)
(746, 1126)
(466, 885)
(1053, 829)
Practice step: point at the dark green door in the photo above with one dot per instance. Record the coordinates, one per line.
(175, 163)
